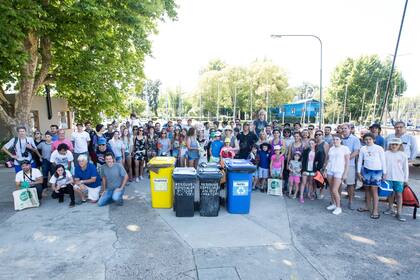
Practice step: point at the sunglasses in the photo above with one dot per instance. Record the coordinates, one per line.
(318, 134)
(310, 128)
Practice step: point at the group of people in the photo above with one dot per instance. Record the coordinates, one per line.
(97, 164)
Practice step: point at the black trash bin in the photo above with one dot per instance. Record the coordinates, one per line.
(209, 178)
(185, 181)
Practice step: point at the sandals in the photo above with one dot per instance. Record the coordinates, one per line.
(399, 218)
(375, 216)
(362, 209)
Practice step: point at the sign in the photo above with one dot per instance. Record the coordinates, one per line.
(240, 188)
(161, 184)
(184, 188)
(275, 187)
(209, 189)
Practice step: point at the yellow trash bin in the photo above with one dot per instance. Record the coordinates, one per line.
(161, 183)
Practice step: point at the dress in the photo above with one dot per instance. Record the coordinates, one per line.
(139, 149)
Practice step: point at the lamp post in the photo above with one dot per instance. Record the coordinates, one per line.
(321, 98)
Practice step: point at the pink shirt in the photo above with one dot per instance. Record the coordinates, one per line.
(55, 144)
(277, 163)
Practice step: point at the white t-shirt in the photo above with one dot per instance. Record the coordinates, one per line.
(117, 146)
(58, 158)
(397, 166)
(372, 158)
(20, 148)
(80, 140)
(61, 181)
(336, 158)
(32, 175)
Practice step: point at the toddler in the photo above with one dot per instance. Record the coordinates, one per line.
(295, 168)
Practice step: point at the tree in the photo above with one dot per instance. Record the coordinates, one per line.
(151, 94)
(90, 51)
(360, 75)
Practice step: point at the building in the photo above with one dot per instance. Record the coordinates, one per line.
(301, 110)
(61, 115)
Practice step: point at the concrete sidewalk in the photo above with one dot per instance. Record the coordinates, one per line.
(279, 239)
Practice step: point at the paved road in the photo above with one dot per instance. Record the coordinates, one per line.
(279, 239)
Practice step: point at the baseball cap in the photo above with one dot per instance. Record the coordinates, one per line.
(277, 147)
(218, 133)
(101, 141)
(25, 161)
(395, 141)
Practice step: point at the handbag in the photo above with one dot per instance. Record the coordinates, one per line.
(275, 187)
(25, 198)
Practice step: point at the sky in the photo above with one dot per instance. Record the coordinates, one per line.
(238, 32)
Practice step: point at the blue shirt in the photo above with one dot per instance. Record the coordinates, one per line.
(353, 143)
(380, 141)
(216, 147)
(264, 159)
(87, 174)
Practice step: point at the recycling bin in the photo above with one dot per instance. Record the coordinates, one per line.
(209, 178)
(185, 181)
(161, 182)
(239, 185)
(210, 164)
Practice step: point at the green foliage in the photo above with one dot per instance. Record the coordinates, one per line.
(257, 81)
(97, 47)
(361, 76)
(150, 92)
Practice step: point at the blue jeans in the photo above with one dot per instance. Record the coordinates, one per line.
(111, 195)
(46, 168)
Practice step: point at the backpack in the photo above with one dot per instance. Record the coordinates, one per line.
(410, 199)
(12, 149)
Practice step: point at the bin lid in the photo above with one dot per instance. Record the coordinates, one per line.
(185, 173)
(209, 173)
(162, 161)
(210, 164)
(240, 165)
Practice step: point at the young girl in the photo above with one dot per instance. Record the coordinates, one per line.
(176, 145)
(277, 163)
(397, 174)
(308, 167)
(139, 151)
(183, 151)
(128, 144)
(227, 151)
(295, 169)
(62, 182)
(371, 168)
(118, 147)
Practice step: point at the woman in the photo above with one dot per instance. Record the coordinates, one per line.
(175, 143)
(337, 167)
(139, 150)
(308, 168)
(234, 143)
(118, 147)
(262, 138)
(38, 140)
(296, 146)
(287, 137)
(321, 154)
(152, 140)
(305, 138)
(164, 144)
(128, 143)
(371, 169)
(277, 141)
(61, 183)
(193, 148)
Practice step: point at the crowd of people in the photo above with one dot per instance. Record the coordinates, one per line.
(96, 164)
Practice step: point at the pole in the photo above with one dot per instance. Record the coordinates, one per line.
(250, 110)
(234, 103)
(218, 101)
(363, 105)
(345, 104)
(388, 83)
(374, 100)
(201, 105)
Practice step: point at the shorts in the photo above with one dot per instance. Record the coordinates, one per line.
(371, 177)
(193, 155)
(335, 174)
(127, 154)
(294, 179)
(351, 176)
(308, 173)
(397, 186)
(262, 173)
(118, 159)
(276, 173)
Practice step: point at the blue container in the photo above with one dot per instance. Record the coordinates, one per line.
(384, 189)
(239, 185)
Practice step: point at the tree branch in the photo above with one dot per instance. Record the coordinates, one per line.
(4, 117)
(3, 98)
(45, 64)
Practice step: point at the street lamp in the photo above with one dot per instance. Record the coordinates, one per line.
(321, 98)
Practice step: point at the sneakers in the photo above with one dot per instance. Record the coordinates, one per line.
(337, 211)
(331, 207)
(137, 180)
(399, 218)
(141, 178)
(72, 204)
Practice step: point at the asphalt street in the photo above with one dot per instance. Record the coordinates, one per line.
(279, 239)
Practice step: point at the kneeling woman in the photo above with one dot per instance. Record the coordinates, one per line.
(61, 183)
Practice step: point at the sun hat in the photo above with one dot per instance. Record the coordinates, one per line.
(395, 141)
(277, 147)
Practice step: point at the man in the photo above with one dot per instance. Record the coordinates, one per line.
(109, 132)
(353, 143)
(269, 132)
(189, 124)
(114, 179)
(409, 141)
(297, 126)
(311, 129)
(375, 129)
(260, 123)
(157, 129)
(80, 140)
(86, 179)
(20, 148)
(327, 135)
(62, 156)
(29, 176)
(206, 130)
(101, 151)
(54, 132)
(134, 121)
(246, 140)
(45, 148)
(62, 140)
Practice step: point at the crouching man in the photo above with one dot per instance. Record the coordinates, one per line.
(29, 177)
(87, 180)
(114, 179)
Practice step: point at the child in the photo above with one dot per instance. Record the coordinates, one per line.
(61, 183)
(227, 150)
(263, 159)
(252, 157)
(45, 148)
(397, 174)
(183, 150)
(295, 168)
(216, 147)
(277, 163)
